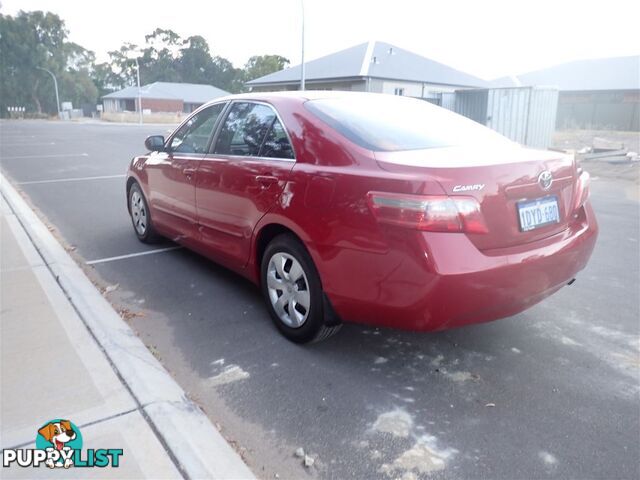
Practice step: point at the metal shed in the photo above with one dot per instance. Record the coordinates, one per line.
(526, 115)
(448, 100)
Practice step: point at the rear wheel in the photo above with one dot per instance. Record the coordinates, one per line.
(140, 216)
(293, 292)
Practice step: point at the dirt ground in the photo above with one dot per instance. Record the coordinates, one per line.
(577, 140)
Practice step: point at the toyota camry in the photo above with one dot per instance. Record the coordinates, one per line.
(369, 208)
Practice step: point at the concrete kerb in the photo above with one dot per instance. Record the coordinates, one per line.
(181, 426)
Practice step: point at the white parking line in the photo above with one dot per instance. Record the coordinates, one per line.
(77, 179)
(47, 156)
(26, 144)
(130, 255)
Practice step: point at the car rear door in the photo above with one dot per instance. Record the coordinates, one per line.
(241, 179)
(171, 174)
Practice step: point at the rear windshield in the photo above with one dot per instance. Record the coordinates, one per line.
(391, 123)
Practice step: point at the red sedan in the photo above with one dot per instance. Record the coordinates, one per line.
(365, 208)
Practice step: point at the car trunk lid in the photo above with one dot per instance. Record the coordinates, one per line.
(500, 180)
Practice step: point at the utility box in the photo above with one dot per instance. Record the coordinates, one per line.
(526, 115)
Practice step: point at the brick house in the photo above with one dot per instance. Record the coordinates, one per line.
(161, 97)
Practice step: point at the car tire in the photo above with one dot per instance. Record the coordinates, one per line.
(287, 272)
(140, 215)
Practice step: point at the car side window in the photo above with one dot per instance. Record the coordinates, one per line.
(276, 143)
(244, 129)
(194, 135)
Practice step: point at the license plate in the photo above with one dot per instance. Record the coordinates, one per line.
(538, 213)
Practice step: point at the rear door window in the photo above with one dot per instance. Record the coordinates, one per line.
(244, 129)
(276, 143)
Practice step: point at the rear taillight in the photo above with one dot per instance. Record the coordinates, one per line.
(582, 189)
(435, 213)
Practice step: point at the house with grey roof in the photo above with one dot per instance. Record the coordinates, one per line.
(372, 67)
(601, 93)
(161, 97)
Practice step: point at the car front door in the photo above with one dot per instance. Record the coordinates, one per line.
(171, 173)
(241, 179)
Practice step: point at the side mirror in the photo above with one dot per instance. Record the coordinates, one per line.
(155, 143)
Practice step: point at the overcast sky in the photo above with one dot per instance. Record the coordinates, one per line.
(487, 38)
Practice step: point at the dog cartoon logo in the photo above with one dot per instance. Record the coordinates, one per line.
(59, 444)
(62, 436)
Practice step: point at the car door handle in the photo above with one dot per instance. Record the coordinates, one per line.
(266, 180)
(188, 172)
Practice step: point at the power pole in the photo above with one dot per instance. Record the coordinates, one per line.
(139, 94)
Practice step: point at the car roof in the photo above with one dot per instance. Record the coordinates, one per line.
(293, 94)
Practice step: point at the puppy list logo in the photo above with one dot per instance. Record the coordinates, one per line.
(59, 445)
(60, 438)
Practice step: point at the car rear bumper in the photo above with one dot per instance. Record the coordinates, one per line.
(435, 281)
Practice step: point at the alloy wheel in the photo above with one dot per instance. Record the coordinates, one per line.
(288, 289)
(138, 213)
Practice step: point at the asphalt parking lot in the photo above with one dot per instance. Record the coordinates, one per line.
(553, 392)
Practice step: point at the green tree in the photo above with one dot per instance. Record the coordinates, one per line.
(33, 40)
(196, 64)
(226, 76)
(159, 61)
(261, 65)
(105, 79)
(120, 70)
(77, 84)
(166, 57)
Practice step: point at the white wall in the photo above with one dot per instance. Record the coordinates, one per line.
(356, 86)
(375, 85)
(411, 89)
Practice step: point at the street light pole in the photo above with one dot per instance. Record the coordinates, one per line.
(302, 78)
(139, 95)
(55, 83)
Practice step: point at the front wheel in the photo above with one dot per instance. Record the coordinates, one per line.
(140, 216)
(293, 292)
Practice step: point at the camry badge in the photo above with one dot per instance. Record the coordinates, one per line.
(468, 188)
(545, 179)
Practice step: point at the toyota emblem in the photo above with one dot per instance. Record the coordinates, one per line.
(545, 180)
